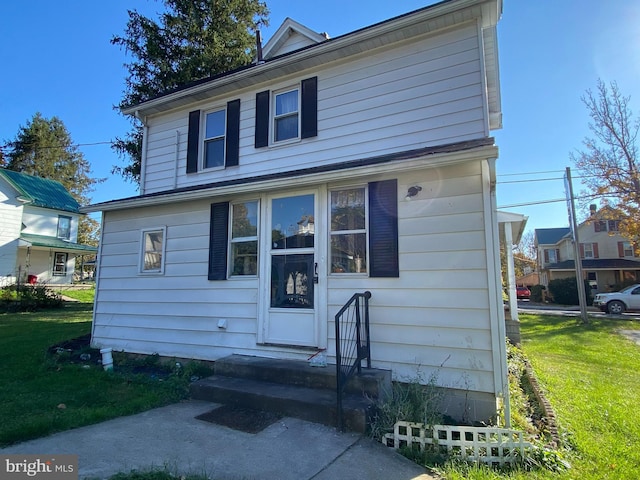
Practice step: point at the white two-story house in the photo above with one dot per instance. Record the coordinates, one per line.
(272, 193)
(38, 230)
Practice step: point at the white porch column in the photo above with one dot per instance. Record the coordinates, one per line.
(511, 273)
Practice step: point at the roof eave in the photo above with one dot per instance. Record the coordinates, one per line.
(429, 19)
(407, 161)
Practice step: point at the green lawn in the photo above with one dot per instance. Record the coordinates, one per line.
(43, 393)
(591, 376)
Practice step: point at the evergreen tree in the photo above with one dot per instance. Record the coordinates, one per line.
(193, 39)
(44, 148)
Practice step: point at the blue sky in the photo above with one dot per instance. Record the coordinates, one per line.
(57, 60)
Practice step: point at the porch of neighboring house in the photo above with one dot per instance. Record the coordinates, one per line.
(511, 227)
(48, 260)
(604, 275)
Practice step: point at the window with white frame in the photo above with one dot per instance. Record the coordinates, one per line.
(551, 255)
(286, 118)
(153, 244)
(60, 263)
(214, 139)
(244, 238)
(589, 251)
(64, 227)
(348, 230)
(627, 249)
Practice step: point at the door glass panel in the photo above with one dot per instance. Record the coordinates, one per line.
(292, 281)
(292, 222)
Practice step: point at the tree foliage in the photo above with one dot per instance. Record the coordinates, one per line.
(43, 148)
(191, 40)
(609, 161)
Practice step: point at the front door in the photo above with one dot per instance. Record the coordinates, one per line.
(291, 297)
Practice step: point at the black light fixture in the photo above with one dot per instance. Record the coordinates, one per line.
(412, 192)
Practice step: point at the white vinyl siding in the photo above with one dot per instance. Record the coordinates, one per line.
(426, 93)
(434, 317)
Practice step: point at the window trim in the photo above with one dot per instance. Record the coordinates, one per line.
(204, 139)
(364, 230)
(274, 117)
(143, 252)
(307, 114)
(623, 249)
(68, 236)
(64, 272)
(255, 238)
(589, 247)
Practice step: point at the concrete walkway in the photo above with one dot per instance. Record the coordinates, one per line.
(172, 438)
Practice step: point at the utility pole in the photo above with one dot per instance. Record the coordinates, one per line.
(576, 246)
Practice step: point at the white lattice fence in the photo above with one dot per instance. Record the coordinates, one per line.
(490, 445)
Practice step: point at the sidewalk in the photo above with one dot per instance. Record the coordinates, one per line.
(171, 437)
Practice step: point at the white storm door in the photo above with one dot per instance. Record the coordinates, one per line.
(290, 308)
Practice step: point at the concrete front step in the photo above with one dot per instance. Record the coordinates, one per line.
(371, 382)
(311, 404)
(293, 388)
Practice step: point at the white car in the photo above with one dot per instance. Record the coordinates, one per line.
(618, 302)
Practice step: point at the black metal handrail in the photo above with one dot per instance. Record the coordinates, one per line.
(352, 343)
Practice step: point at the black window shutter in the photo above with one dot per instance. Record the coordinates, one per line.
(383, 229)
(309, 107)
(218, 241)
(262, 119)
(193, 140)
(232, 153)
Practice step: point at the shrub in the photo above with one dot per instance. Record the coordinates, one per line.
(564, 291)
(29, 298)
(536, 293)
(410, 402)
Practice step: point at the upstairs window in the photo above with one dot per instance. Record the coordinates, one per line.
(217, 144)
(550, 255)
(214, 139)
(64, 227)
(589, 250)
(285, 119)
(153, 242)
(600, 226)
(614, 225)
(287, 114)
(625, 249)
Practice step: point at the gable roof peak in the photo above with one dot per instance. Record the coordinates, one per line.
(291, 35)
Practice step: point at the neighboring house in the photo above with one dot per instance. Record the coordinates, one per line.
(38, 230)
(608, 260)
(271, 194)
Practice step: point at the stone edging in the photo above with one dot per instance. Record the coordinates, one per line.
(549, 414)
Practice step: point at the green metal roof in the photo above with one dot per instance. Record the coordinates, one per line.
(41, 192)
(57, 243)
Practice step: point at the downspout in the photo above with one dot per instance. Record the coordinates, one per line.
(496, 309)
(143, 156)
